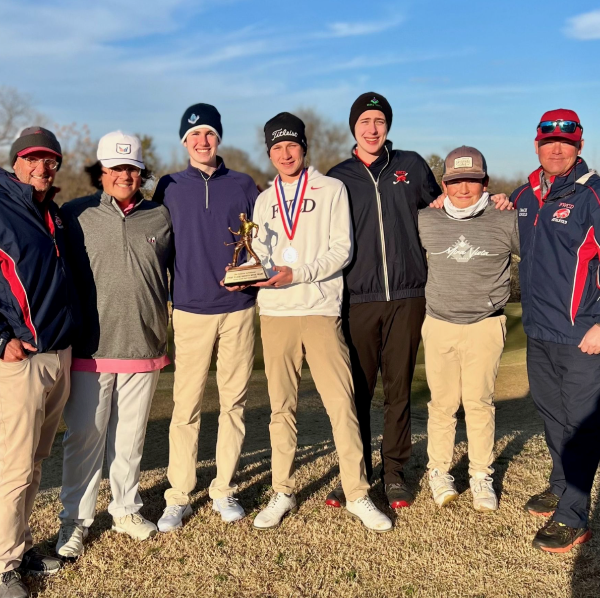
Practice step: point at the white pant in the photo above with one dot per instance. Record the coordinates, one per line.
(104, 410)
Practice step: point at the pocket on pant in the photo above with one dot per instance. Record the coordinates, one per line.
(503, 327)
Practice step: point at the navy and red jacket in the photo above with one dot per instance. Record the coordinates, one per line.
(35, 293)
(560, 247)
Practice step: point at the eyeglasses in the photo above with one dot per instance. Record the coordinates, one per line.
(119, 170)
(47, 162)
(565, 126)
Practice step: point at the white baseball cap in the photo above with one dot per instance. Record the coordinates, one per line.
(117, 148)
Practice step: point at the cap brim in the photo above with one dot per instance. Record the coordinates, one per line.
(30, 150)
(464, 175)
(559, 136)
(120, 161)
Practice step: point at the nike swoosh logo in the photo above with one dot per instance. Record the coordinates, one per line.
(315, 188)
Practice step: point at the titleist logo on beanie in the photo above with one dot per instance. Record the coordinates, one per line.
(34, 139)
(370, 101)
(200, 116)
(285, 127)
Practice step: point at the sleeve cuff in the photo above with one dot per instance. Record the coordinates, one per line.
(298, 275)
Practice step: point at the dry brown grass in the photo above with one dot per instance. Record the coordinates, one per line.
(321, 552)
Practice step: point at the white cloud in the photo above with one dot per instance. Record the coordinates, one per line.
(584, 27)
(345, 29)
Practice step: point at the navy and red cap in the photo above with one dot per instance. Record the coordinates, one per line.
(560, 114)
(35, 139)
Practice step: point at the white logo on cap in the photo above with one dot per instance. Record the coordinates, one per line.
(283, 132)
(463, 162)
(123, 148)
(193, 119)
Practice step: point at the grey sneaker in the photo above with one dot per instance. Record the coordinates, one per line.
(11, 586)
(70, 539)
(34, 563)
(134, 525)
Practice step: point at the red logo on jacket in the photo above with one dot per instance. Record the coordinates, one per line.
(562, 214)
(401, 177)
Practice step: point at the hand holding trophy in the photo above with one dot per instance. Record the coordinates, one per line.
(244, 275)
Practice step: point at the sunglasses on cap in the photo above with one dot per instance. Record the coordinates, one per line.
(565, 126)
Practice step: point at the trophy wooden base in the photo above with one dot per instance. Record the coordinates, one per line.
(244, 275)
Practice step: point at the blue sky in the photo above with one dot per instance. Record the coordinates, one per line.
(476, 73)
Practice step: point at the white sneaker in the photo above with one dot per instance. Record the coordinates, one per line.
(230, 509)
(442, 487)
(135, 526)
(371, 517)
(173, 516)
(70, 539)
(273, 513)
(482, 489)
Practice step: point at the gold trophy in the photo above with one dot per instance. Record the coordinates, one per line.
(241, 275)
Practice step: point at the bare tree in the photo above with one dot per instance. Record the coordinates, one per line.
(16, 113)
(78, 151)
(238, 159)
(328, 143)
(436, 163)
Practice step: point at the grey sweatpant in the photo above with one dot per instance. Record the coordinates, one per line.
(104, 411)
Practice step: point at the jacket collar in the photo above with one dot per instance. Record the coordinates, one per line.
(111, 202)
(23, 192)
(196, 172)
(381, 160)
(559, 184)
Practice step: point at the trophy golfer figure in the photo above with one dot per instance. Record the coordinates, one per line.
(247, 274)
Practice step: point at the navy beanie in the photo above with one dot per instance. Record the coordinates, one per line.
(200, 115)
(370, 101)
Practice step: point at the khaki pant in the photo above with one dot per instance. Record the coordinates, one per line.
(285, 341)
(195, 338)
(33, 393)
(462, 362)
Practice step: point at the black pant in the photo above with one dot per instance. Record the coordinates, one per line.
(565, 386)
(386, 335)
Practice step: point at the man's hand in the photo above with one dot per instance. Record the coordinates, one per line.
(279, 280)
(591, 341)
(14, 351)
(438, 203)
(239, 287)
(502, 201)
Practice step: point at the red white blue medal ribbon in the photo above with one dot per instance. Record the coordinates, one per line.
(291, 215)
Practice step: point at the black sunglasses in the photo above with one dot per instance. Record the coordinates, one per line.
(565, 126)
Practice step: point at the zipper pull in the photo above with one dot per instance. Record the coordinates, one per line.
(56, 247)
(536, 219)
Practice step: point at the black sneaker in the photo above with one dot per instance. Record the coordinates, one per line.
(11, 586)
(542, 505)
(336, 497)
(34, 563)
(558, 537)
(398, 495)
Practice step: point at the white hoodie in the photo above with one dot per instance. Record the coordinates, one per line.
(323, 241)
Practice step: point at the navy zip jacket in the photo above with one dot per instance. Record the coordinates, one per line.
(559, 269)
(389, 262)
(36, 297)
(202, 208)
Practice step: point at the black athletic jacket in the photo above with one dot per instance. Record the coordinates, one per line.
(389, 262)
